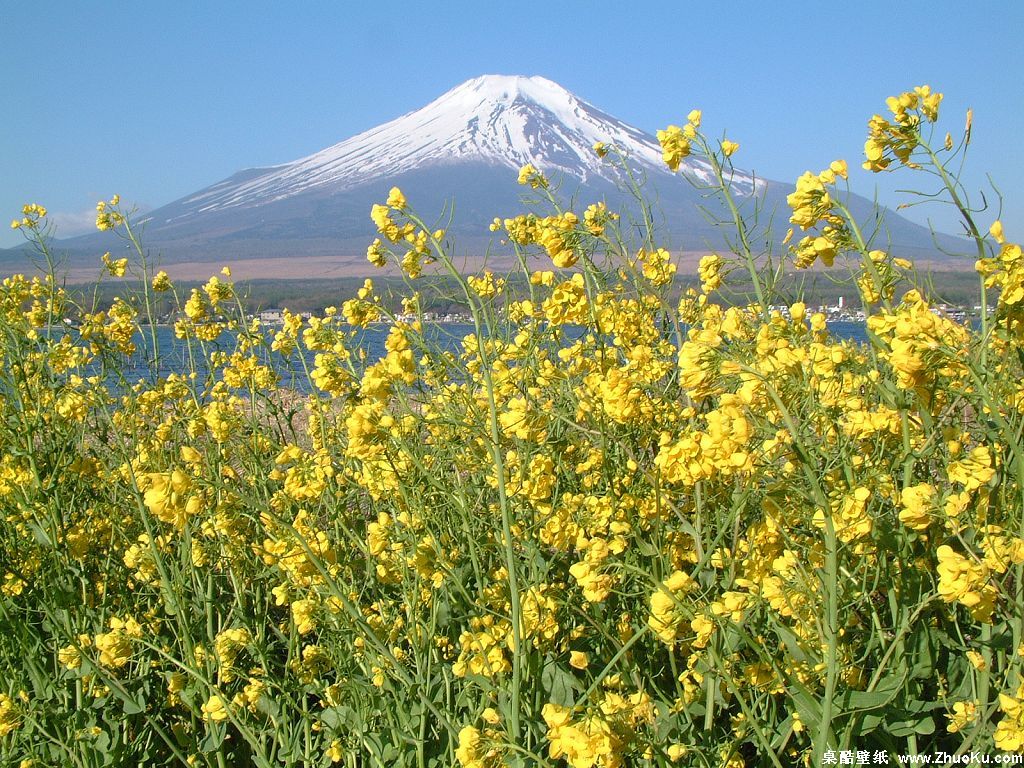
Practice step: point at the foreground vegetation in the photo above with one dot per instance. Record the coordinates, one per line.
(701, 533)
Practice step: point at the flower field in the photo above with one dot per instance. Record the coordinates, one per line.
(622, 524)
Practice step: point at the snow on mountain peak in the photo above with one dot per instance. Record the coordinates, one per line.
(509, 120)
(500, 88)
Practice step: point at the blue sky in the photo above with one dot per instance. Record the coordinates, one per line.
(156, 100)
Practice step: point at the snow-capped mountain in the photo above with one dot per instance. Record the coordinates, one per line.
(506, 120)
(457, 160)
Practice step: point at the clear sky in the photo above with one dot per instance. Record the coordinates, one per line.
(154, 100)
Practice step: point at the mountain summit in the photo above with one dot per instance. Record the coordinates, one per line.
(456, 159)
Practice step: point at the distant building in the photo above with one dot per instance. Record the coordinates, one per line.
(271, 317)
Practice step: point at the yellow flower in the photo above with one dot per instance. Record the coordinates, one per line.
(176, 682)
(965, 581)
(114, 647)
(977, 661)
(849, 515)
(675, 146)
(964, 713)
(730, 605)
(32, 216)
(703, 628)
(334, 752)
(161, 282)
(70, 657)
(729, 147)
(486, 287)
(107, 219)
(897, 140)
(9, 716)
(666, 617)
(376, 254)
(473, 750)
(166, 496)
(917, 506)
(709, 271)
(578, 660)
(974, 471)
(396, 199)
(228, 645)
(491, 716)
(996, 230)
(303, 611)
(677, 752)
(530, 175)
(215, 710)
(116, 267)
(1009, 735)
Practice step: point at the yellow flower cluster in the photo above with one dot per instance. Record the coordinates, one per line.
(10, 718)
(32, 216)
(599, 737)
(108, 216)
(487, 286)
(676, 142)
(656, 266)
(597, 217)
(814, 207)
(1009, 734)
(665, 619)
(116, 267)
(528, 175)
(115, 647)
(475, 750)
(1005, 273)
(419, 242)
(965, 581)
(923, 347)
(897, 140)
(558, 234)
(710, 272)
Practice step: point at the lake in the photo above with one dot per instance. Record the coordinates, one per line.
(446, 336)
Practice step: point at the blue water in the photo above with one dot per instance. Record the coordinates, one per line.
(849, 330)
(174, 354)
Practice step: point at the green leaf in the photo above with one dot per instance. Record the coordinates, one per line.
(851, 701)
(560, 686)
(102, 742)
(923, 726)
(646, 548)
(913, 718)
(923, 657)
(135, 705)
(870, 723)
(214, 738)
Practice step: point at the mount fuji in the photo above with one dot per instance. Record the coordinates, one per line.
(456, 159)
(499, 120)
